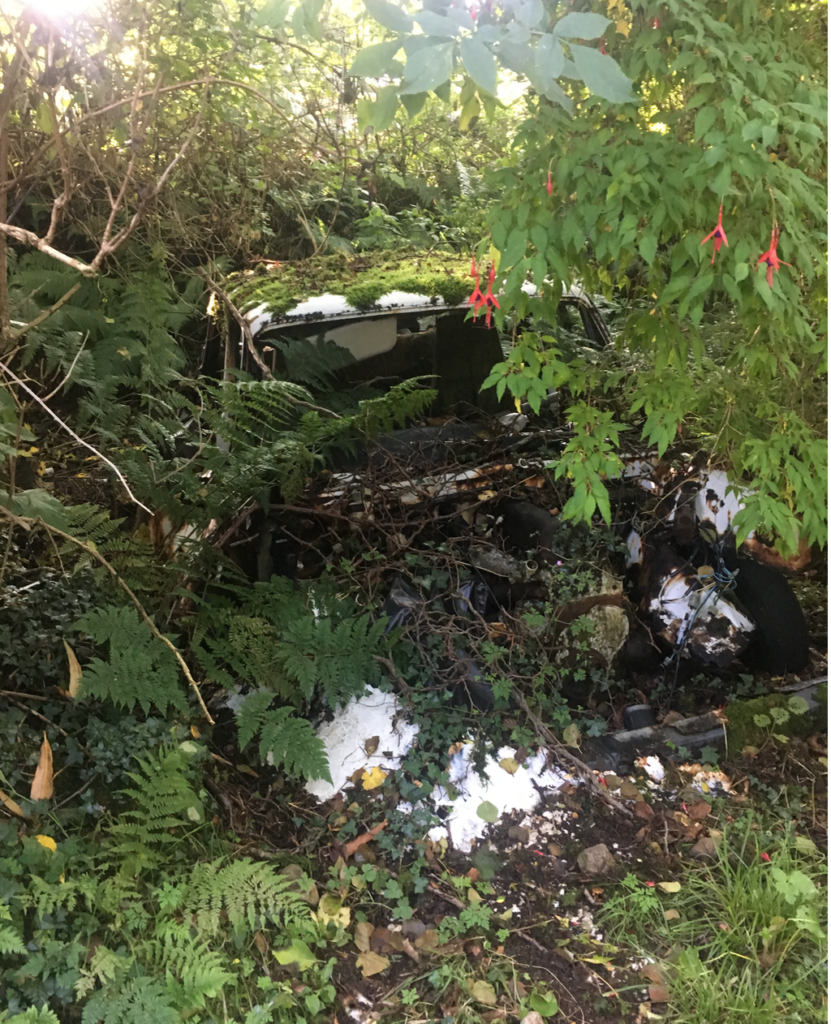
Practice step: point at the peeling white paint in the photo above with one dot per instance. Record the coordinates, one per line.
(375, 714)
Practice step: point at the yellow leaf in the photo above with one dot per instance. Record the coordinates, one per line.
(371, 745)
(194, 731)
(74, 671)
(371, 963)
(42, 784)
(669, 886)
(672, 915)
(124, 352)
(510, 764)
(494, 256)
(623, 27)
(483, 992)
(12, 805)
(62, 879)
(373, 779)
(48, 842)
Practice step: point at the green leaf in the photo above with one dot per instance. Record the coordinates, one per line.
(581, 26)
(550, 58)
(436, 25)
(741, 270)
(601, 75)
(44, 118)
(479, 63)
(530, 14)
(37, 504)
(648, 247)
(704, 121)
(374, 61)
(414, 103)
(487, 811)
(428, 68)
(545, 1003)
(273, 15)
(297, 953)
(389, 15)
(721, 184)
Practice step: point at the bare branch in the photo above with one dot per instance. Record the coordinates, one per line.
(46, 314)
(27, 524)
(13, 376)
(245, 327)
(30, 238)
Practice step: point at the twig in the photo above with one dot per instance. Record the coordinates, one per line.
(588, 776)
(27, 523)
(245, 327)
(30, 238)
(73, 435)
(68, 373)
(45, 316)
(396, 678)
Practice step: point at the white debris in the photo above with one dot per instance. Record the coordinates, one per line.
(652, 766)
(634, 546)
(375, 714)
(517, 792)
(716, 505)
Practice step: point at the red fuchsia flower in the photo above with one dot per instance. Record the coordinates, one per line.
(765, 857)
(602, 45)
(549, 185)
(771, 258)
(490, 299)
(718, 236)
(650, 884)
(655, 23)
(477, 299)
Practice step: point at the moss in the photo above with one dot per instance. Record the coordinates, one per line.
(362, 280)
(742, 730)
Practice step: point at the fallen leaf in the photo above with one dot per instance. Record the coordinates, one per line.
(672, 915)
(483, 992)
(658, 994)
(194, 730)
(473, 896)
(643, 810)
(510, 765)
(371, 745)
(12, 805)
(297, 953)
(487, 811)
(261, 942)
(428, 939)
(363, 933)
(571, 735)
(48, 842)
(356, 844)
(330, 909)
(699, 811)
(750, 751)
(74, 671)
(670, 886)
(43, 783)
(373, 778)
(371, 963)
(246, 769)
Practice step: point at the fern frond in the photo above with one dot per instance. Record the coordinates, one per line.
(252, 895)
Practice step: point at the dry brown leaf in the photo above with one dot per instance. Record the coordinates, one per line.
(658, 994)
(371, 963)
(261, 942)
(699, 811)
(380, 940)
(643, 810)
(246, 769)
(672, 915)
(473, 874)
(43, 784)
(653, 973)
(408, 948)
(428, 939)
(371, 745)
(356, 844)
(74, 671)
(12, 805)
(363, 934)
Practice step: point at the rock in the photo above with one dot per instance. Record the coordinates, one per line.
(704, 849)
(518, 832)
(532, 1018)
(596, 860)
(629, 791)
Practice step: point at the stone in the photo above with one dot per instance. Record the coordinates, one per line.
(704, 849)
(629, 791)
(520, 833)
(532, 1018)
(596, 860)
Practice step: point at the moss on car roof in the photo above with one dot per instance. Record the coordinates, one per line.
(361, 279)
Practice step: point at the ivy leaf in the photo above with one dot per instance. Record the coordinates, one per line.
(479, 63)
(427, 68)
(389, 15)
(602, 75)
(436, 25)
(581, 26)
(374, 61)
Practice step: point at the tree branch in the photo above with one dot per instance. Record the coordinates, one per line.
(28, 523)
(46, 313)
(13, 376)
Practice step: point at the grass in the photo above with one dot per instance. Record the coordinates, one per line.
(743, 938)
